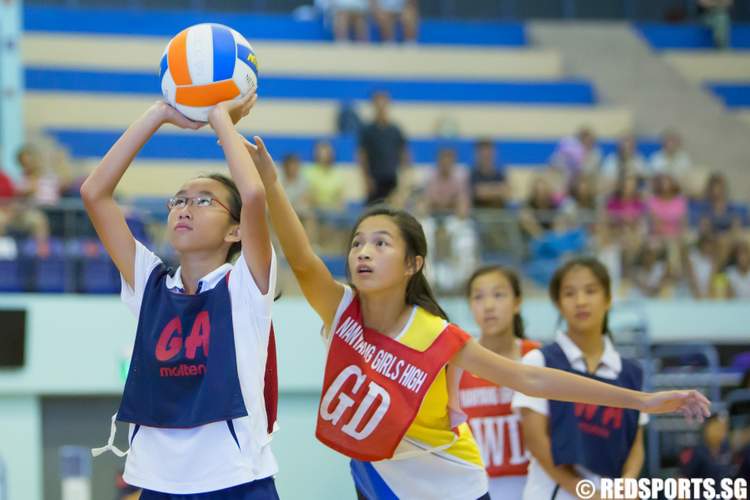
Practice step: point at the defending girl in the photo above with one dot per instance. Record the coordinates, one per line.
(385, 396)
(572, 442)
(494, 294)
(194, 395)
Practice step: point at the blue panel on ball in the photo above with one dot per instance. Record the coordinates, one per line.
(247, 56)
(162, 67)
(224, 53)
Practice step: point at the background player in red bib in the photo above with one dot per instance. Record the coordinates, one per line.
(387, 296)
(494, 294)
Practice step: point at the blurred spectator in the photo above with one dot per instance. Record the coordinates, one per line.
(382, 150)
(652, 272)
(295, 184)
(672, 158)
(625, 212)
(578, 155)
(712, 458)
(448, 202)
(625, 161)
(18, 219)
(667, 208)
(388, 12)
(538, 214)
(326, 184)
(715, 14)
(7, 189)
(738, 272)
(489, 187)
(701, 265)
(580, 205)
(348, 15)
(716, 213)
(39, 184)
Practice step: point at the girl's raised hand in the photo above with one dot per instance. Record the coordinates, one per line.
(168, 114)
(236, 109)
(692, 404)
(262, 159)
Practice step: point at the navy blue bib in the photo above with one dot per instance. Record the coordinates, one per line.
(597, 437)
(183, 372)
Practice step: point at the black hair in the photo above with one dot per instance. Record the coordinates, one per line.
(599, 271)
(234, 205)
(515, 284)
(418, 290)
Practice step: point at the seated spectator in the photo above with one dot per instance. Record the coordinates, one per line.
(447, 201)
(717, 214)
(671, 159)
(712, 457)
(701, 266)
(348, 15)
(327, 190)
(489, 187)
(652, 273)
(580, 205)
(297, 189)
(39, 184)
(18, 219)
(577, 155)
(738, 272)
(539, 213)
(625, 215)
(625, 161)
(667, 208)
(388, 12)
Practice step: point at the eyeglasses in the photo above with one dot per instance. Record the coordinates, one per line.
(203, 201)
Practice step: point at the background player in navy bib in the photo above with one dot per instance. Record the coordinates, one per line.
(197, 394)
(570, 442)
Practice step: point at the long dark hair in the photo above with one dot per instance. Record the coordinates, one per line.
(235, 208)
(418, 291)
(515, 284)
(597, 269)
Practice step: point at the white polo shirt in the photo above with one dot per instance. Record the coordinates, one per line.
(207, 458)
(539, 486)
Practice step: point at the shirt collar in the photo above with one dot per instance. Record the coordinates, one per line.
(610, 357)
(206, 283)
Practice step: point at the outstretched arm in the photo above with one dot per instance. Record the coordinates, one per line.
(320, 289)
(98, 190)
(256, 241)
(549, 383)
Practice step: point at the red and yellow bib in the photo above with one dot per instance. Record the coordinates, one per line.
(374, 385)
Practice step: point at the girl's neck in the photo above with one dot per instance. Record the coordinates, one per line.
(193, 267)
(385, 312)
(591, 345)
(503, 343)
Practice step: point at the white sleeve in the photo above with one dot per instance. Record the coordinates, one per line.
(520, 400)
(145, 262)
(346, 299)
(242, 285)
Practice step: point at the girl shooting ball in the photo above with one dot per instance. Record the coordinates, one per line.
(198, 398)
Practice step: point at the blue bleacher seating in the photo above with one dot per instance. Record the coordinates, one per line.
(734, 95)
(88, 143)
(255, 26)
(689, 36)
